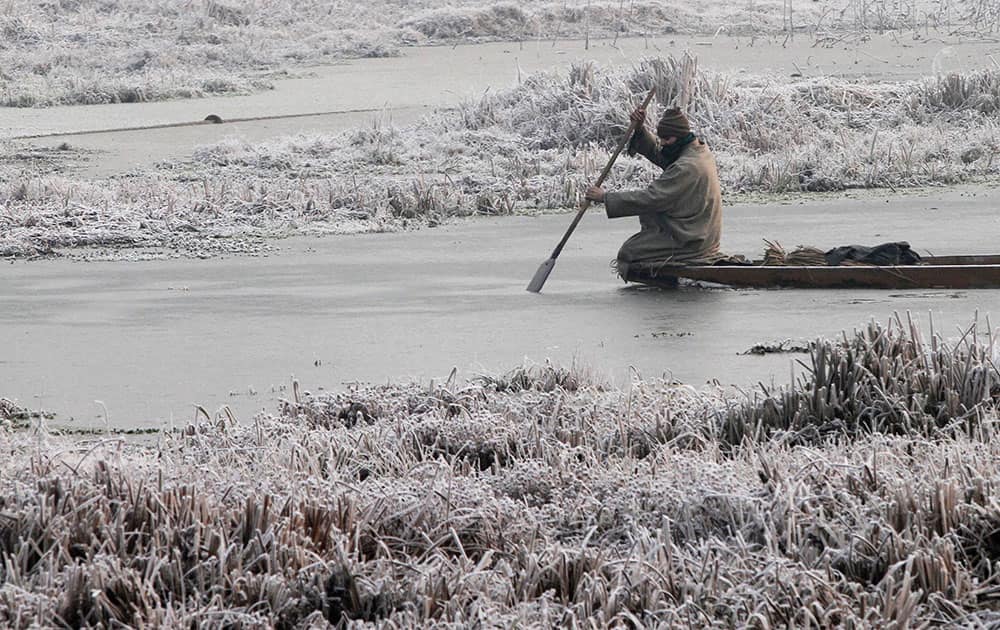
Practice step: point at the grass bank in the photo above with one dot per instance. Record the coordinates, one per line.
(862, 495)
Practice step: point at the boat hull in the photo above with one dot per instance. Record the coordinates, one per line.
(946, 272)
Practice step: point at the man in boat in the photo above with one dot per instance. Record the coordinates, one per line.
(680, 212)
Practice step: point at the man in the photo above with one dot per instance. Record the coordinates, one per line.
(680, 213)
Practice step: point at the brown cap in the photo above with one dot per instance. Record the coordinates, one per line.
(673, 124)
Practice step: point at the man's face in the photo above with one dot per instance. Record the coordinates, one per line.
(666, 142)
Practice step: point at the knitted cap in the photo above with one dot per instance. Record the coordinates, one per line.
(673, 124)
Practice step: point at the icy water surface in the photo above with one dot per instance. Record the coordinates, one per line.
(149, 340)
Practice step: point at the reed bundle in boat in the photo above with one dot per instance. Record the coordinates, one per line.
(775, 255)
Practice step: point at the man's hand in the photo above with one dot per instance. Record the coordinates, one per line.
(595, 193)
(638, 116)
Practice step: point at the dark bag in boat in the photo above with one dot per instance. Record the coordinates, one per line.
(885, 254)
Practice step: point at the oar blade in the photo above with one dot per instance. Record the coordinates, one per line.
(541, 275)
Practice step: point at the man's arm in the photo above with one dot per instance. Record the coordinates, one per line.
(644, 143)
(659, 196)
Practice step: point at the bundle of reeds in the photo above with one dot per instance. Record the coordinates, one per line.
(775, 255)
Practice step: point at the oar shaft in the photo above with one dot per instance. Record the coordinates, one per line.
(572, 226)
(600, 180)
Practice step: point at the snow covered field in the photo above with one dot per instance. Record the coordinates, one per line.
(111, 51)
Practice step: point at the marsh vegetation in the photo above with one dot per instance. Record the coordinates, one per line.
(521, 150)
(861, 495)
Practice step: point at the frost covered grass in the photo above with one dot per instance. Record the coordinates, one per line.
(74, 51)
(536, 144)
(539, 498)
(527, 148)
(196, 218)
(66, 52)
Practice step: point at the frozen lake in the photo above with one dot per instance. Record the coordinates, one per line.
(151, 339)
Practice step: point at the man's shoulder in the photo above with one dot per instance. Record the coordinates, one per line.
(699, 154)
(693, 155)
(695, 163)
(699, 146)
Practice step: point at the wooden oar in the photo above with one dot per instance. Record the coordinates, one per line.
(543, 272)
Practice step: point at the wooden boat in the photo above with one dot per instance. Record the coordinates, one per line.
(937, 272)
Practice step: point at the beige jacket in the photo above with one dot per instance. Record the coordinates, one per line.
(680, 213)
